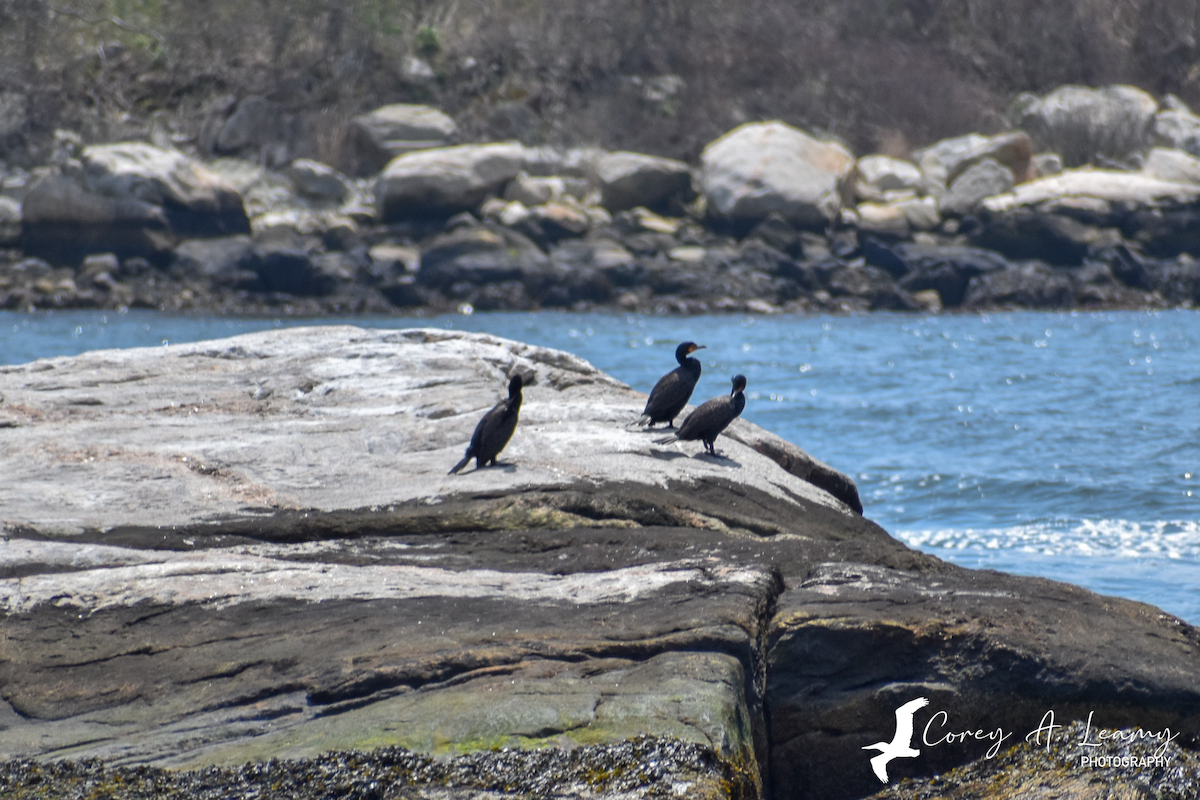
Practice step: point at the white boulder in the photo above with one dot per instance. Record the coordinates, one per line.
(765, 168)
(446, 180)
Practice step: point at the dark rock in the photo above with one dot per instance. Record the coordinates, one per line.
(850, 280)
(847, 649)
(1128, 267)
(776, 232)
(648, 244)
(1026, 285)
(843, 243)
(1178, 280)
(284, 264)
(402, 291)
(1097, 286)
(880, 254)
(1165, 232)
(228, 261)
(478, 254)
(945, 269)
(1029, 234)
(505, 296)
(1074, 763)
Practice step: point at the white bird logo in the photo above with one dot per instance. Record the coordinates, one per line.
(900, 746)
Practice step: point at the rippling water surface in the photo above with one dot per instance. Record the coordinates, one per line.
(1061, 445)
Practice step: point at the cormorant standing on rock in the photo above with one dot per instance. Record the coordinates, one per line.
(494, 430)
(714, 416)
(673, 390)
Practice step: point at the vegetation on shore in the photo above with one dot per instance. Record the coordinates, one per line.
(658, 76)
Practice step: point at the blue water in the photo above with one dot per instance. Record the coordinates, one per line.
(1063, 445)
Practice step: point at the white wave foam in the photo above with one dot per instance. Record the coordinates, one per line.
(1107, 538)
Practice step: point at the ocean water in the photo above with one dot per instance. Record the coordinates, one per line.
(1065, 445)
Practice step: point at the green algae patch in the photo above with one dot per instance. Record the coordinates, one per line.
(692, 697)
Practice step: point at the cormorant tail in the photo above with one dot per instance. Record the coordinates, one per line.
(461, 464)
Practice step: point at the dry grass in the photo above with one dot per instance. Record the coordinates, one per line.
(885, 75)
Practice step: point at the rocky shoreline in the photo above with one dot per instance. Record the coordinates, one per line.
(261, 568)
(1089, 202)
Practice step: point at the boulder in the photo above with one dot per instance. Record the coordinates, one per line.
(1176, 127)
(226, 261)
(10, 221)
(444, 181)
(1027, 285)
(937, 160)
(1173, 166)
(531, 191)
(945, 161)
(881, 218)
(574, 162)
(478, 254)
(318, 181)
(947, 270)
(261, 557)
(131, 199)
(876, 175)
(1104, 185)
(1089, 126)
(1058, 238)
(627, 180)
(981, 180)
(257, 123)
(759, 169)
(285, 265)
(1178, 281)
(376, 138)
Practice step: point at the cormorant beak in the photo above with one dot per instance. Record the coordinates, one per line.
(695, 347)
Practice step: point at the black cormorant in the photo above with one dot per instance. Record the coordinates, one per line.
(673, 390)
(707, 421)
(494, 430)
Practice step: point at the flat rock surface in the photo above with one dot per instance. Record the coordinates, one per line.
(250, 548)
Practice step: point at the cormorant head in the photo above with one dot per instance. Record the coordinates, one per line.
(739, 383)
(514, 385)
(682, 351)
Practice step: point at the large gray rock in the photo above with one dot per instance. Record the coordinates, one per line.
(876, 175)
(131, 199)
(257, 123)
(767, 168)
(986, 178)
(318, 181)
(944, 161)
(1089, 126)
(376, 138)
(1174, 166)
(259, 554)
(627, 180)
(446, 180)
(226, 261)
(1176, 127)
